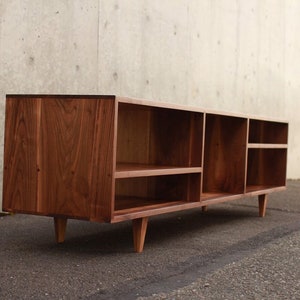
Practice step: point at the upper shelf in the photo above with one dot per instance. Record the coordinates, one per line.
(158, 137)
(267, 146)
(266, 132)
(126, 170)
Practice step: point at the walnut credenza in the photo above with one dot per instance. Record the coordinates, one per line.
(111, 159)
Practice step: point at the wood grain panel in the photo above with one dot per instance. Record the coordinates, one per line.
(225, 154)
(157, 189)
(268, 132)
(170, 137)
(60, 156)
(65, 156)
(133, 134)
(266, 167)
(104, 160)
(196, 139)
(20, 151)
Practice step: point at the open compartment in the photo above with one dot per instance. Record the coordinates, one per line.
(266, 168)
(151, 137)
(224, 155)
(267, 132)
(144, 193)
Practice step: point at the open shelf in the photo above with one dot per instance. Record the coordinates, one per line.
(267, 132)
(125, 205)
(158, 137)
(209, 196)
(224, 155)
(125, 170)
(266, 169)
(267, 146)
(156, 190)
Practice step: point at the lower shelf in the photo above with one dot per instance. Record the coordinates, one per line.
(137, 207)
(209, 196)
(153, 190)
(134, 204)
(125, 203)
(259, 189)
(134, 207)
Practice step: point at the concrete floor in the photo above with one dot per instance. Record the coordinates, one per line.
(225, 253)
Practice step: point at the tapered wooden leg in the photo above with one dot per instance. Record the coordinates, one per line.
(60, 225)
(262, 203)
(204, 208)
(139, 227)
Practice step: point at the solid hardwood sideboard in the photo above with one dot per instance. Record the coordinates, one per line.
(111, 159)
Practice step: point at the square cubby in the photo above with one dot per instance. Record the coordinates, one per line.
(224, 155)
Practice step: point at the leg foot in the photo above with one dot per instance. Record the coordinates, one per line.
(60, 225)
(139, 232)
(262, 203)
(204, 208)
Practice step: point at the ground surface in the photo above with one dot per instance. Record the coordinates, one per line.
(227, 252)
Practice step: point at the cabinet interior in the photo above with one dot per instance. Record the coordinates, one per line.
(157, 140)
(145, 192)
(153, 144)
(266, 168)
(268, 132)
(224, 155)
(154, 136)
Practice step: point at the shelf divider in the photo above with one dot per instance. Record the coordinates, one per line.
(267, 146)
(128, 170)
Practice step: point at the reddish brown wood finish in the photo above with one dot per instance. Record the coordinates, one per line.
(65, 156)
(151, 136)
(224, 154)
(20, 167)
(266, 168)
(103, 161)
(110, 159)
(141, 170)
(60, 160)
(133, 134)
(266, 132)
(139, 232)
(204, 208)
(156, 189)
(60, 225)
(262, 202)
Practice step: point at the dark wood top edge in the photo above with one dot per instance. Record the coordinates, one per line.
(152, 103)
(76, 96)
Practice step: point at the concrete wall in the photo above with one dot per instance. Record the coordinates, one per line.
(232, 55)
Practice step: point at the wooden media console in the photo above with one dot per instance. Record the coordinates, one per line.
(111, 159)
